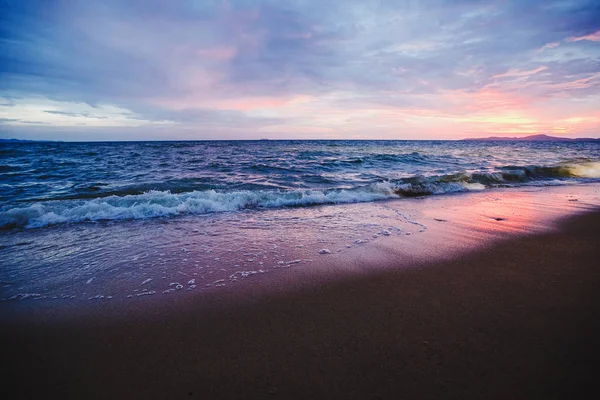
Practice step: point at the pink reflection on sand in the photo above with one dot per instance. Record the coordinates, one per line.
(510, 211)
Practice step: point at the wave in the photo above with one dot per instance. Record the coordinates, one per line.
(585, 170)
(502, 177)
(581, 170)
(157, 203)
(11, 152)
(413, 158)
(9, 168)
(164, 203)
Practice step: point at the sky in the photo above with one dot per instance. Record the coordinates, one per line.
(298, 69)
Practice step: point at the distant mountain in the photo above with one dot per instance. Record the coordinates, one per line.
(24, 141)
(537, 138)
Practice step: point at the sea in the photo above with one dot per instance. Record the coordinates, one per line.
(97, 221)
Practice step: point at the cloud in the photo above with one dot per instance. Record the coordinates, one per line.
(73, 114)
(517, 73)
(43, 111)
(244, 66)
(592, 37)
(549, 46)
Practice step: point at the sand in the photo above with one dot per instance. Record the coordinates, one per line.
(516, 318)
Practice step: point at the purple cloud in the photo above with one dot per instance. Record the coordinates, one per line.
(250, 65)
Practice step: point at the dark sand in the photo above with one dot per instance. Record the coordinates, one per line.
(518, 319)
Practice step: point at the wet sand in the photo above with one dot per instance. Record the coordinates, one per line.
(517, 318)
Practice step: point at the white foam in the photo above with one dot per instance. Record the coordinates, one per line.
(163, 203)
(585, 170)
(243, 274)
(151, 292)
(439, 187)
(156, 203)
(24, 296)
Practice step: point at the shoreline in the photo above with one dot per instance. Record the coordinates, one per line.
(517, 318)
(429, 230)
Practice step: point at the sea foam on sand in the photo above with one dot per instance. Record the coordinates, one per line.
(143, 258)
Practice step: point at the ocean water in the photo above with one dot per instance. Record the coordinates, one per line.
(44, 184)
(119, 221)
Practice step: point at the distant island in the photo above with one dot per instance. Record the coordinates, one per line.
(538, 138)
(14, 140)
(2, 140)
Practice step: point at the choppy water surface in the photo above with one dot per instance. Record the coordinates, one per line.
(97, 221)
(45, 184)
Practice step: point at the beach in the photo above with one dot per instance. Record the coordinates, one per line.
(299, 199)
(485, 310)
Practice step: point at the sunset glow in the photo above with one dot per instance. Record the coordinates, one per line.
(113, 70)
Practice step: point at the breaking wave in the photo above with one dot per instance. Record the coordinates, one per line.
(164, 203)
(157, 203)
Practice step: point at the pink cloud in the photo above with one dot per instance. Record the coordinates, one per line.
(517, 73)
(486, 99)
(593, 37)
(218, 53)
(549, 46)
(236, 104)
(583, 83)
(252, 103)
